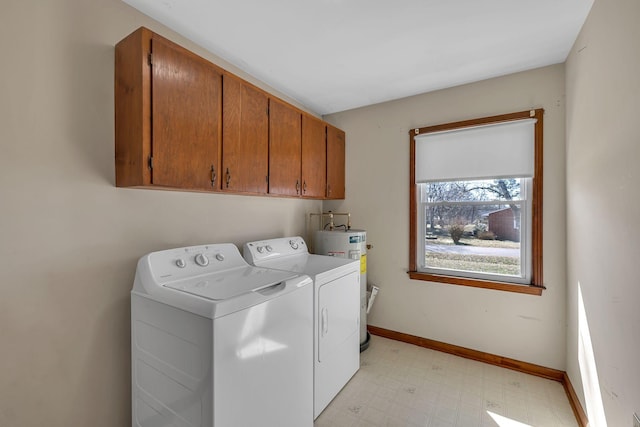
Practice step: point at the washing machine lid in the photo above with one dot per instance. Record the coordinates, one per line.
(230, 283)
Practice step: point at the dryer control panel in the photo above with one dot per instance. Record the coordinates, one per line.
(263, 250)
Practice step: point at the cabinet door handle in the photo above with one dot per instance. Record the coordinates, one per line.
(297, 186)
(213, 176)
(329, 189)
(304, 187)
(228, 177)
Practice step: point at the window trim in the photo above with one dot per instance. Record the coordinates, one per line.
(536, 286)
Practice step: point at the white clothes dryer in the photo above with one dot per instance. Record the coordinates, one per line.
(336, 309)
(219, 343)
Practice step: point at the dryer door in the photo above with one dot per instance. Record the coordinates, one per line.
(338, 313)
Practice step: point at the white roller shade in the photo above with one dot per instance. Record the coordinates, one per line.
(489, 151)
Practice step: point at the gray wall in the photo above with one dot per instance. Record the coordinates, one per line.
(69, 239)
(603, 210)
(523, 327)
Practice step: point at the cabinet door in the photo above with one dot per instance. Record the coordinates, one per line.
(245, 154)
(284, 149)
(185, 112)
(314, 157)
(335, 163)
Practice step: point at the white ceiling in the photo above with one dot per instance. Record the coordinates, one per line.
(334, 55)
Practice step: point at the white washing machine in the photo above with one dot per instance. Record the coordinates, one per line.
(219, 343)
(336, 309)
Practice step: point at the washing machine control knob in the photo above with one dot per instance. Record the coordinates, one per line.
(220, 257)
(268, 248)
(260, 249)
(202, 260)
(293, 244)
(181, 263)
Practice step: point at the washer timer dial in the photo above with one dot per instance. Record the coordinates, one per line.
(202, 260)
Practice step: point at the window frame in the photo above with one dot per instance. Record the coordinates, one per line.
(535, 286)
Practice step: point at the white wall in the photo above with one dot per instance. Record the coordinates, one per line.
(69, 239)
(603, 209)
(523, 327)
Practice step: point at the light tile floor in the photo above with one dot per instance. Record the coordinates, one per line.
(401, 384)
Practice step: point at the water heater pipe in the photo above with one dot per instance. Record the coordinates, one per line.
(331, 216)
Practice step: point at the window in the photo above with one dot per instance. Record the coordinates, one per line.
(476, 203)
(477, 229)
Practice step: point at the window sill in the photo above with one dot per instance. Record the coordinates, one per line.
(498, 286)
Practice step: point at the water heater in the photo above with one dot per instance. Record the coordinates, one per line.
(348, 244)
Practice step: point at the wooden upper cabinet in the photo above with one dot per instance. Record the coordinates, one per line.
(335, 163)
(314, 157)
(182, 122)
(245, 154)
(186, 107)
(168, 115)
(284, 149)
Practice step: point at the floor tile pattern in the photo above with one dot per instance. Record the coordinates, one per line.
(403, 385)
